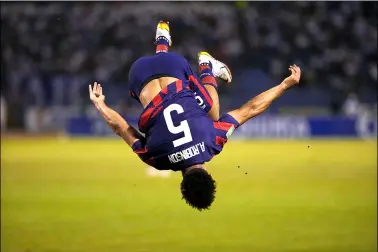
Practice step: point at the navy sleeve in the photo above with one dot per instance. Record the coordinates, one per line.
(139, 147)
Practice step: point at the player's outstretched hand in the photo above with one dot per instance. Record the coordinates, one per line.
(95, 94)
(295, 76)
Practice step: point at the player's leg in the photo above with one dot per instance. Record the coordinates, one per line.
(209, 82)
(260, 103)
(163, 37)
(210, 68)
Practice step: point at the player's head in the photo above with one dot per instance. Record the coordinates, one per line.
(198, 188)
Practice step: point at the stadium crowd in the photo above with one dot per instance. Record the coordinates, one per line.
(51, 51)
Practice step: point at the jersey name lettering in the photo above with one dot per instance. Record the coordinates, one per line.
(187, 153)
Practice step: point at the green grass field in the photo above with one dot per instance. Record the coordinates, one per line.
(93, 195)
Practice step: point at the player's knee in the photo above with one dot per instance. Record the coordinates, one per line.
(198, 188)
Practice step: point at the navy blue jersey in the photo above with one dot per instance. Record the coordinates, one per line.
(178, 132)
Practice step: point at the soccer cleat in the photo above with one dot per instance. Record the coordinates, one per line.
(219, 68)
(162, 30)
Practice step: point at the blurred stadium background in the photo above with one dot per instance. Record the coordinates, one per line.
(302, 177)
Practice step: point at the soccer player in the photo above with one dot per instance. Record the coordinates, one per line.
(181, 120)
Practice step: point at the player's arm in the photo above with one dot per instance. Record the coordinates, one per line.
(112, 118)
(260, 103)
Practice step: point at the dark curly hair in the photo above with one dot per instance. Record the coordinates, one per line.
(198, 188)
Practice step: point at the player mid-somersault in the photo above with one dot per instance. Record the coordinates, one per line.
(180, 119)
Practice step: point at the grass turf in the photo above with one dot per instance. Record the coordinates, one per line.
(90, 195)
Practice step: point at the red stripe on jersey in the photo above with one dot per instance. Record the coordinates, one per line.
(144, 118)
(164, 90)
(178, 86)
(156, 111)
(141, 151)
(223, 125)
(201, 89)
(220, 140)
(157, 100)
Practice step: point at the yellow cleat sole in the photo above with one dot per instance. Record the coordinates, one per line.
(163, 26)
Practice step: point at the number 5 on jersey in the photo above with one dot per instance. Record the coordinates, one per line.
(183, 127)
